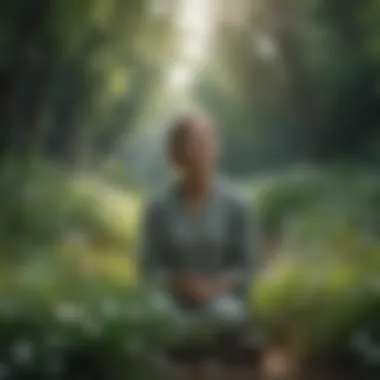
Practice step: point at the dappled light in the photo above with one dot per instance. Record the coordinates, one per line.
(88, 90)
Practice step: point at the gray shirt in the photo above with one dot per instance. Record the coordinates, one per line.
(222, 239)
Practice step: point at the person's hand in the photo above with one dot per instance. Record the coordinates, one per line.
(221, 284)
(194, 287)
(207, 289)
(203, 289)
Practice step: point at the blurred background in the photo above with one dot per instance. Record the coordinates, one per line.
(87, 88)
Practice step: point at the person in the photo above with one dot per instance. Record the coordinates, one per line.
(198, 237)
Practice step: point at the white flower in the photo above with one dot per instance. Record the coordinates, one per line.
(7, 307)
(4, 371)
(76, 238)
(134, 346)
(55, 366)
(110, 308)
(372, 355)
(53, 341)
(33, 191)
(22, 352)
(375, 283)
(360, 341)
(160, 302)
(227, 309)
(69, 312)
(134, 312)
(92, 328)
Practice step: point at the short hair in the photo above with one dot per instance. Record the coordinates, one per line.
(178, 132)
(180, 128)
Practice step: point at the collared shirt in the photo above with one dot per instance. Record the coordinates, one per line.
(220, 239)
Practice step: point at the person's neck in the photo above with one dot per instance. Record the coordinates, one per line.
(197, 188)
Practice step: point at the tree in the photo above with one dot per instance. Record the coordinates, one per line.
(74, 73)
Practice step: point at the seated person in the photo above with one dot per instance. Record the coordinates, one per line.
(197, 236)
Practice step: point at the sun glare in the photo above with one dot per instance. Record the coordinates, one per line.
(196, 16)
(180, 77)
(194, 20)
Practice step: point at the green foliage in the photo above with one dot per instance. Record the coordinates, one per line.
(105, 214)
(74, 234)
(57, 324)
(315, 201)
(80, 73)
(42, 208)
(322, 288)
(300, 81)
(326, 301)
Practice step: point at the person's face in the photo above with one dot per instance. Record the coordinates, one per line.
(200, 149)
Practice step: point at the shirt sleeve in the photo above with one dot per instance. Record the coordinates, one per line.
(151, 253)
(244, 252)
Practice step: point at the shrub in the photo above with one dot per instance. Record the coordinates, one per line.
(56, 324)
(320, 301)
(322, 289)
(43, 207)
(352, 197)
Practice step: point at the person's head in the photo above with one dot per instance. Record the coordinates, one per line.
(193, 145)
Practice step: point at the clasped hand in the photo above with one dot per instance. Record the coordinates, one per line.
(196, 288)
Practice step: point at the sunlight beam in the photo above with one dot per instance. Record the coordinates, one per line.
(195, 22)
(179, 77)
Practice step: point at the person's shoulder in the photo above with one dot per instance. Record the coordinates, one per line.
(234, 194)
(160, 198)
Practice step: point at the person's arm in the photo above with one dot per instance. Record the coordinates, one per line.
(152, 255)
(243, 253)
(157, 267)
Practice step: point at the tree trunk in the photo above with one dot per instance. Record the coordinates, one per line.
(279, 24)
